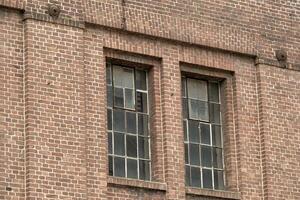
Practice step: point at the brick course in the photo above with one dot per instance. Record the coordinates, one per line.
(53, 139)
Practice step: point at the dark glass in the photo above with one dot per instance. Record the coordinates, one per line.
(198, 110)
(119, 166)
(194, 131)
(140, 80)
(186, 152)
(184, 108)
(216, 135)
(131, 122)
(206, 157)
(131, 145)
(110, 166)
(183, 87)
(187, 175)
(109, 96)
(207, 178)
(218, 180)
(142, 124)
(217, 158)
(213, 92)
(109, 119)
(185, 130)
(119, 120)
(132, 168)
(141, 102)
(205, 133)
(119, 144)
(144, 147)
(110, 143)
(194, 154)
(129, 98)
(108, 75)
(214, 113)
(144, 168)
(118, 97)
(195, 177)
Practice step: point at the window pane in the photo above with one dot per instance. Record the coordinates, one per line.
(119, 166)
(119, 144)
(109, 119)
(132, 168)
(110, 143)
(198, 110)
(214, 112)
(207, 178)
(131, 145)
(110, 166)
(109, 96)
(187, 175)
(205, 133)
(141, 80)
(129, 98)
(195, 177)
(119, 120)
(183, 87)
(185, 130)
(144, 147)
(144, 169)
(184, 108)
(197, 89)
(131, 122)
(213, 92)
(118, 97)
(142, 124)
(108, 74)
(218, 180)
(194, 131)
(186, 152)
(216, 135)
(123, 77)
(194, 154)
(206, 158)
(141, 102)
(217, 158)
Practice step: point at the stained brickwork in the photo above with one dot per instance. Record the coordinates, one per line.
(53, 140)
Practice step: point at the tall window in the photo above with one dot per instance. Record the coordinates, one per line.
(128, 122)
(203, 139)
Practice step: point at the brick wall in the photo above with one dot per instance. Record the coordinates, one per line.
(53, 139)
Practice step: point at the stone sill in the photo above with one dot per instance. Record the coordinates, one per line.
(136, 183)
(212, 193)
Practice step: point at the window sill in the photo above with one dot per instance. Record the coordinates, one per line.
(213, 193)
(137, 183)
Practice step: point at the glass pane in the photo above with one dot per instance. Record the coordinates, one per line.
(205, 133)
(141, 80)
(207, 178)
(119, 120)
(118, 97)
(185, 130)
(110, 166)
(195, 177)
(194, 154)
(108, 74)
(216, 135)
(109, 119)
(218, 180)
(194, 131)
(206, 158)
(144, 170)
(218, 158)
(123, 77)
(213, 92)
(132, 171)
(144, 147)
(129, 98)
(197, 89)
(142, 124)
(109, 96)
(141, 102)
(119, 166)
(187, 175)
(184, 108)
(110, 143)
(131, 122)
(131, 145)
(186, 152)
(183, 87)
(214, 113)
(119, 144)
(198, 110)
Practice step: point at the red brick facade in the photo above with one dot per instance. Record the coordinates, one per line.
(53, 141)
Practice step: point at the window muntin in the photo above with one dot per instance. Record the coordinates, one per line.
(128, 122)
(203, 140)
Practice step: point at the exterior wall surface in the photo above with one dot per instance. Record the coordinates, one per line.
(53, 140)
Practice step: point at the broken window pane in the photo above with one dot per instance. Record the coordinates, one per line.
(141, 80)
(141, 102)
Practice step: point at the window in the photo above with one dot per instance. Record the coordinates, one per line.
(128, 122)
(203, 139)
